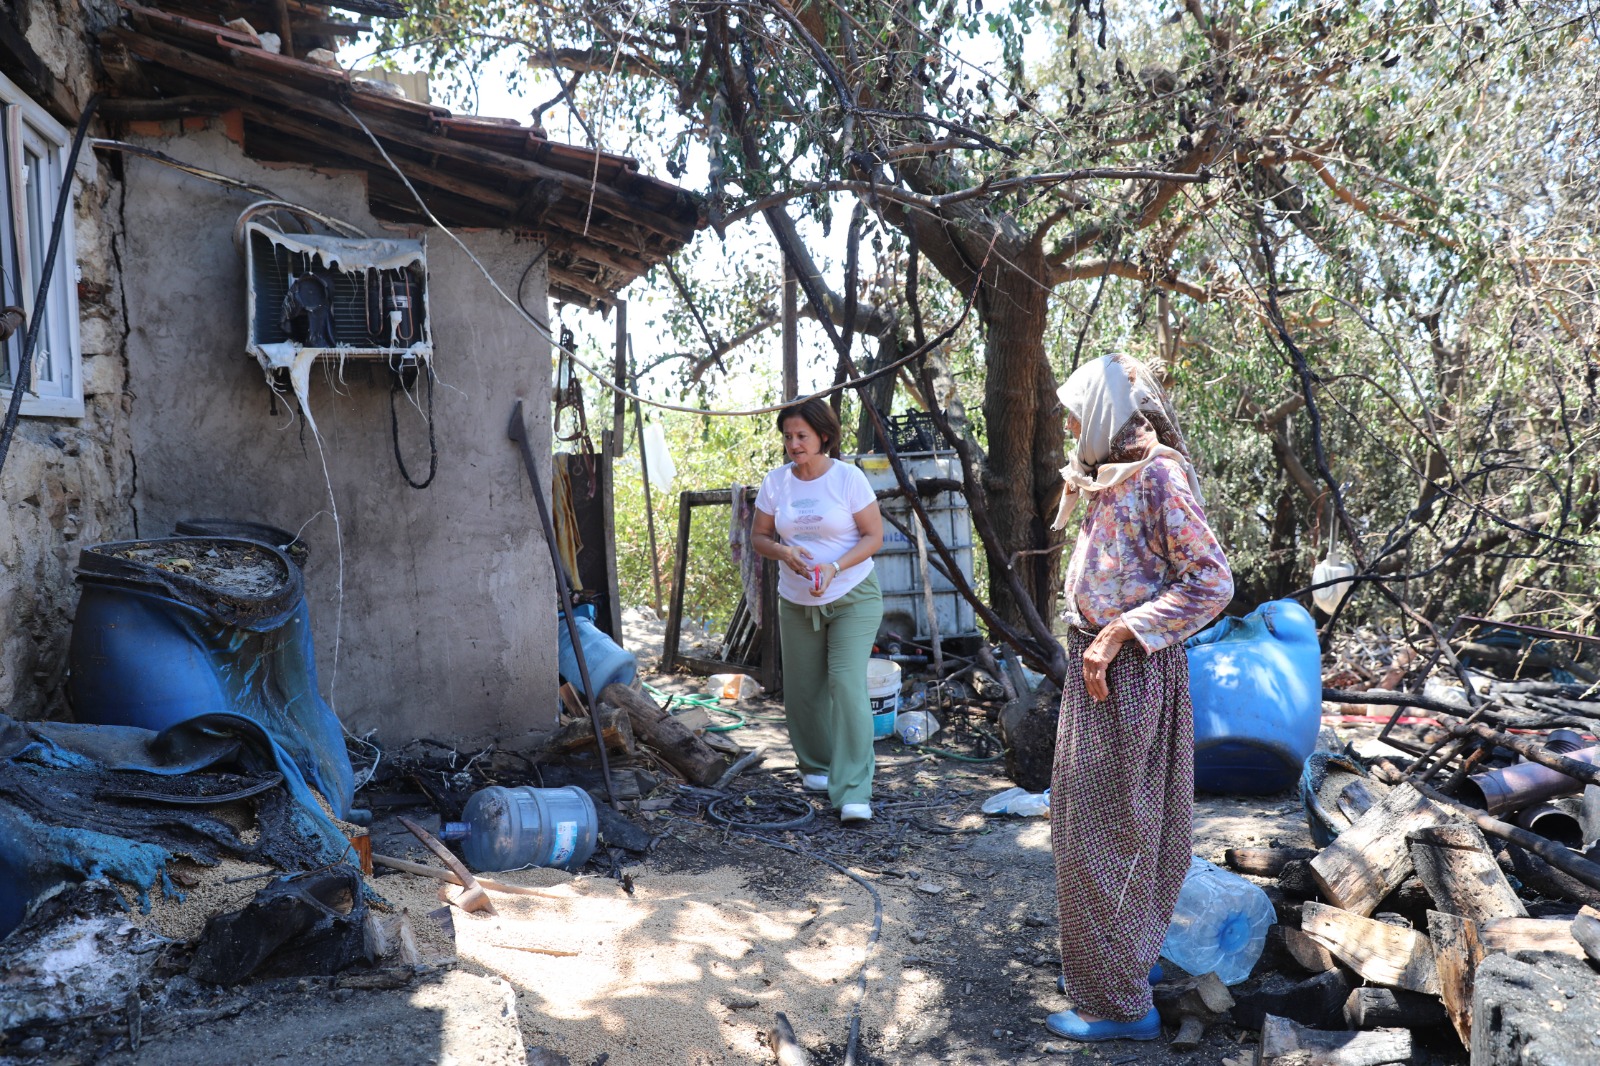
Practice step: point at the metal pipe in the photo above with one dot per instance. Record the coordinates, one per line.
(518, 432)
(1553, 822)
(1524, 784)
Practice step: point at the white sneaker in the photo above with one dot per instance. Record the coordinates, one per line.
(814, 782)
(855, 812)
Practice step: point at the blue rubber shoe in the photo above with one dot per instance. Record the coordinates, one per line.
(1156, 976)
(1067, 1024)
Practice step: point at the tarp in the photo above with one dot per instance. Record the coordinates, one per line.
(79, 802)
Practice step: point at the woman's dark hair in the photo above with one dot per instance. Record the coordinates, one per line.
(816, 413)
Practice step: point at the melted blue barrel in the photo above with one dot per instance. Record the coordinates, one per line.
(1256, 683)
(152, 648)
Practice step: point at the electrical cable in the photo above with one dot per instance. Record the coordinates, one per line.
(19, 387)
(394, 432)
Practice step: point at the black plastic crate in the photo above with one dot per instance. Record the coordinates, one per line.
(914, 431)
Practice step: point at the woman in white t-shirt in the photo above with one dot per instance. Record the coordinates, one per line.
(819, 519)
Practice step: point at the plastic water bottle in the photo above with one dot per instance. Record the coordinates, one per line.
(915, 727)
(1018, 801)
(1220, 924)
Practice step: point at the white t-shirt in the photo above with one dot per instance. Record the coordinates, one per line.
(819, 516)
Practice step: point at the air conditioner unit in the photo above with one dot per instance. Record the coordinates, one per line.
(321, 296)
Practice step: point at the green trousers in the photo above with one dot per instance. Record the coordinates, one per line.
(825, 652)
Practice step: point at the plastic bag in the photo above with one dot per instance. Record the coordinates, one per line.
(1018, 801)
(732, 686)
(661, 467)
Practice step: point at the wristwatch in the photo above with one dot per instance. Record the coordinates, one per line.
(836, 568)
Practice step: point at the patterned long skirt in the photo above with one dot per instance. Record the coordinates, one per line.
(1121, 811)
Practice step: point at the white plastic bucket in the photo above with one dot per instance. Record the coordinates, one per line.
(883, 692)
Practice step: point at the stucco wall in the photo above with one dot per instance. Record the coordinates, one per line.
(446, 622)
(66, 482)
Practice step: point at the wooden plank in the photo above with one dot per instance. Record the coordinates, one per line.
(1306, 952)
(1456, 954)
(1507, 935)
(1461, 874)
(1368, 860)
(1283, 1043)
(680, 567)
(1383, 954)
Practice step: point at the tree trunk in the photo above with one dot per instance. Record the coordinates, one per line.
(1026, 434)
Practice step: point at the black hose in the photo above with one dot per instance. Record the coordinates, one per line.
(804, 811)
(19, 387)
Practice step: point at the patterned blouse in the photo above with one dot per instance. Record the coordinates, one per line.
(1146, 553)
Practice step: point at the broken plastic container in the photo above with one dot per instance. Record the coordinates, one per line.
(1220, 924)
(1256, 684)
(158, 640)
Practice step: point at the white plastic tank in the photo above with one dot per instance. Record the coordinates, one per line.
(899, 573)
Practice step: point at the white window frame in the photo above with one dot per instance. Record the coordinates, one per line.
(56, 388)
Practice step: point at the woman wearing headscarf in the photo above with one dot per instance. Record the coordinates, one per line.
(1146, 573)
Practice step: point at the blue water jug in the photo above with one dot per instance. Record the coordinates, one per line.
(1256, 684)
(1220, 924)
(607, 662)
(510, 828)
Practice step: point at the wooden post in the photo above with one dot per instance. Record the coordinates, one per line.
(620, 375)
(1369, 859)
(1456, 954)
(1461, 875)
(680, 566)
(791, 340)
(644, 469)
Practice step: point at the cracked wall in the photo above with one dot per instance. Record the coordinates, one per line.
(66, 482)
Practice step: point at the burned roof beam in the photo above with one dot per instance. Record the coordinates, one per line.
(389, 130)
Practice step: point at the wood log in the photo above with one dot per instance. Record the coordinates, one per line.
(1315, 1001)
(1562, 858)
(1283, 1043)
(1456, 954)
(1296, 879)
(1383, 954)
(1390, 1008)
(616, 728)
(1586, 931)
(1510, 935)
(785, 1048)
(1589, 814)
(680, 747)
(1370, 858)
(1192, 1004)
(1306, 952)
(1461, 874)
(1263, 862)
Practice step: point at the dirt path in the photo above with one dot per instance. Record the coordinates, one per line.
(721, 930)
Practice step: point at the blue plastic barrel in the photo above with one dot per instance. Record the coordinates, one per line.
(152, 648)
(607, 662)
(1256, 683)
